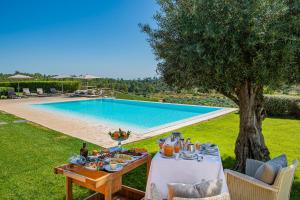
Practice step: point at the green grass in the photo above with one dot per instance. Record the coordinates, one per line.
(29, 152)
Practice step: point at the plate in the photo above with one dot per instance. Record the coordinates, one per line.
(91, 168)
(168, 157)
(119, 161)
(125, 157)
(109, 169)
(193, 157)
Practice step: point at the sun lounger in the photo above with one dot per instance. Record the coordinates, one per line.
(12, 95)
(27, 92)
(40, 92)
(85, 93)
(54, 92)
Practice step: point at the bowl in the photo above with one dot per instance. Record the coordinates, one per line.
(188, 154)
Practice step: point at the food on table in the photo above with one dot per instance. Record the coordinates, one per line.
(124, 156)
(94, 152)
(132, 153)
(139, 150)
(119, 160)
(105, 150)
(168, 150)
(119, 135)
(91, 166)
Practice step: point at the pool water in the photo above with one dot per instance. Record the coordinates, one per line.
(139, 115)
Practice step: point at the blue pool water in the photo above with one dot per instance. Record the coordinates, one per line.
(135, 114)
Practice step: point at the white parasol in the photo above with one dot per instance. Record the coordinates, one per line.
(19, 77)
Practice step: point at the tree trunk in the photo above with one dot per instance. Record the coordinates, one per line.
(250, 142)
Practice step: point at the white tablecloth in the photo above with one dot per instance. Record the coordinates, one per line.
(164, 171)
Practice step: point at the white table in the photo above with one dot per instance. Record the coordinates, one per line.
(164, 171)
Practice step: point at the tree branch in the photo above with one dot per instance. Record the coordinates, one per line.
(231, 96)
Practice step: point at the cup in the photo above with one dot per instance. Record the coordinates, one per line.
(113, 165)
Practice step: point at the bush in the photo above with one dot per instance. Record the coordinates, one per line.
(282, 105)
(218, 101)
(69, 86)
(4, 90)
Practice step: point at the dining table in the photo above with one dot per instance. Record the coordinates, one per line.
(164, 170)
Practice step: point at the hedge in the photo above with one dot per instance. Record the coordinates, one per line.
(4, 90)
(282, 105)
(207, 101)
(69, 86)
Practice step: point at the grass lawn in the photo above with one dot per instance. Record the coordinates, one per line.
(29, 152)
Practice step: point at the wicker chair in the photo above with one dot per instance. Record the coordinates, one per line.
(244, 187)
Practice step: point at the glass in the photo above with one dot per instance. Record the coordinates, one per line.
(168, 150)
(177, 148)
(198, 146)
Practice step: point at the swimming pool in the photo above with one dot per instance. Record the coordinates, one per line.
(134, 115)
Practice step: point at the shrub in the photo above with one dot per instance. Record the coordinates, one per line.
(219, 101)
(69, 86)
(276, 105)
(4, 90)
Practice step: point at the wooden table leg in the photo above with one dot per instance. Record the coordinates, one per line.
(108, 188)
(68, 188)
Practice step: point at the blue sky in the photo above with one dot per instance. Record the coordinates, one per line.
(99, 37)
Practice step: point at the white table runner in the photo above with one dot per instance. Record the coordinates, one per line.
(164, 171)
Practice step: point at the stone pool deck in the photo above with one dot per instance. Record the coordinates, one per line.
(91, 131)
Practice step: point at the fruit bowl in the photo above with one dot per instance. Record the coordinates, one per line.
(119, 136)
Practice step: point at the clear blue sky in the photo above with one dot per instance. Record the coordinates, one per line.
(99, 37)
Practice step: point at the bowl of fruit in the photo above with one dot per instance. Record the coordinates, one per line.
(119, 136)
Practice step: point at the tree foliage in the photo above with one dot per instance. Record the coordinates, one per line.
(234, 47)
(219, 44)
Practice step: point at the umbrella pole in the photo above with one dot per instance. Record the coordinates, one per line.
(62, 87)
(18, 87)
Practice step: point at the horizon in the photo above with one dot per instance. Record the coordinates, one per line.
(101, 38)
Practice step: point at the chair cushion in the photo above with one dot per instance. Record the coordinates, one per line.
(199, 190)
(155, 194)
(269, 170)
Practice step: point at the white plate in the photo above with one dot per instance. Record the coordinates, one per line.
(168, 157)
(91, 168)
(193, 157)
(109, 169)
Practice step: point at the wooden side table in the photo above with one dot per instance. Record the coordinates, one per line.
(100, 181)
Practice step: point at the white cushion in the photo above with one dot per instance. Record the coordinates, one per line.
(199, 190)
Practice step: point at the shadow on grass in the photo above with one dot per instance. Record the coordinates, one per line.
(295, 192)
(228, 162)
(293, 117)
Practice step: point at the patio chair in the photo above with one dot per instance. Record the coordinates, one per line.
(27, 92)
(12, 95)
(54, 92)
(40, 92)
(244, 187)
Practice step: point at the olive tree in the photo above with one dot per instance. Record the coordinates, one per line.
(234, 47)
